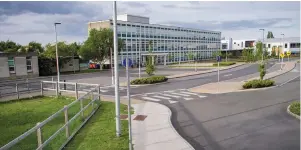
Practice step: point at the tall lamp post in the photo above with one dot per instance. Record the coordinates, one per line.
(262, 44)
(57, 59)
(282, 47)
(117, 100)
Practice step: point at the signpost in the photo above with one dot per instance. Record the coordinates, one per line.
(288, 53)
(218, 59)
(281, 55)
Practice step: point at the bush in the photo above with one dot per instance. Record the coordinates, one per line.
(224, 64)
(258, 84)
(150, 80)
(295, 108)
(150, 69)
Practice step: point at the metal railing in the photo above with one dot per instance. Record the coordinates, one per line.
(93, 94)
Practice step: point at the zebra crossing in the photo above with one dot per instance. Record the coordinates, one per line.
(170, 97)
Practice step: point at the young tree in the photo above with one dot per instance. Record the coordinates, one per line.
(190, 56)
(273, 53)
(98, 45)
(217, 53)
(259, 51)
(261, 70)
(150, 68)
(270, 35)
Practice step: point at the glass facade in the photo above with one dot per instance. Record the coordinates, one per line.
(176, 41)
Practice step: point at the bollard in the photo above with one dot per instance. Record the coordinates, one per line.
(66, 121)
(64, 85)
(39, 136)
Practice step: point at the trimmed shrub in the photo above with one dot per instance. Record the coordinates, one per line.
(295, 108)
(224, 64)
(258, 84)
(150, 80)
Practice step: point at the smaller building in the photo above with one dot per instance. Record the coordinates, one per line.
(18, 65)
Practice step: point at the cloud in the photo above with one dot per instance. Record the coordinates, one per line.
(33, 21)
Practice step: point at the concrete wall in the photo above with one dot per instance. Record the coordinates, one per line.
(35, 65)
(4, 71)
(20, 66)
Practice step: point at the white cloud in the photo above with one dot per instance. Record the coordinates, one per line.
(27, 27)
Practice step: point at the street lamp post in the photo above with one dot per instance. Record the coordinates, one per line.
(117, 100)
(282, 47)
(57, 59)
(262, 44)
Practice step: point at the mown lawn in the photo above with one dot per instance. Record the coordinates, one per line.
(16, 117)
(100, 133)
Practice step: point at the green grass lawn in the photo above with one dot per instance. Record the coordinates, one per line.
(100, 133)
(16, 117)
(295, 108)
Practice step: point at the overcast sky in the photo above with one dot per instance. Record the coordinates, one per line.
(33, 21)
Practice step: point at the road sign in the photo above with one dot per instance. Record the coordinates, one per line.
(288, 53)
(124, 62)
(218, 58)
(282, 55)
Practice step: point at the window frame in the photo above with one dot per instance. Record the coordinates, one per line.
(14, 66)
(29, 58)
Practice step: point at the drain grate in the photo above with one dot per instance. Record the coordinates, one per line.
(140, 117)
(123, 117)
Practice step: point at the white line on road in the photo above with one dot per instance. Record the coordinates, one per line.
(201, 96)
(151, 99)
(188, 99)
(226, 75)
(172, 102)
(156, 96)
(174, 96)
(180, 94)
(290, 80)
(189, 93)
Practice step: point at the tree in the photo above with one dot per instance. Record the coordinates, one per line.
(261, 70)
(63, 50)
(270, 35)
(98, 45)
(259, 50)
(9, 46)
(150, 68)
(273, 53)
(217, 53)
(190, 56)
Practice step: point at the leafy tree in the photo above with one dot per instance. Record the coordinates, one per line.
(35, 47)
(259, 50)
(217, 53)
(9, 46)
(63, 50)
(270, 35)
(150, 68)
(98, 45)
(190, 56)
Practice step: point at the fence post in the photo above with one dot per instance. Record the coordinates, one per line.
(64, 85)
(52, 83)
(76, 91)
(57, 88)
(81, 108)
(66, 120)
(42, 88)
(39, 136)
(17, 90)
(27, 84)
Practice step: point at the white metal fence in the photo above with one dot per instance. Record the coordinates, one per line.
(89, 102)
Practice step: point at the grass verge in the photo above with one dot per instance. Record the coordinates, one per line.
(16, 117)
(295, 108)
(100, 133)
(224, 64)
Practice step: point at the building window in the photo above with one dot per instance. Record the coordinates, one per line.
(28, 64)
(269, 45)
(235, 43)
(11, 64)
(285, 45)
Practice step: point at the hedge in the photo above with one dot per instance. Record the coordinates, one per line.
(224, 64)
(150, 80)
(295, 108)
(258, 84)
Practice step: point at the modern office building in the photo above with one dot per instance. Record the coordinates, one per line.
(169, 43)
(236, 46)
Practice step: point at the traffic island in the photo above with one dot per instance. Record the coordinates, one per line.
(294, 109)
(149, 80)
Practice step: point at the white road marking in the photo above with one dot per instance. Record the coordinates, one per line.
(201, 96)
(172, 102)
(170, 95)
(156, 96)
(151, 99)
(189, 93)
(188, 99)
(290, 80)
(226, 75)
(180, 94)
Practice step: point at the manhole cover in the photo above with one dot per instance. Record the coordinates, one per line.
(140, 117)
(123, 117)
